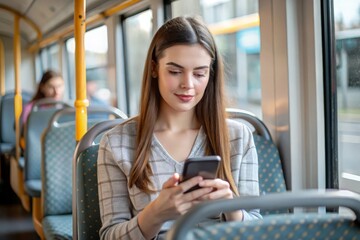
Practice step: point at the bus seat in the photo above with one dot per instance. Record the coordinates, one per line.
(38, 119)
(257, 126)
(280, 226)
(86, 213)
(8, 146)
(87, 200)
(271, 176)
(58, 147)
(7, 120)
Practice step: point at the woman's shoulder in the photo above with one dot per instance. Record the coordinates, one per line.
(126, 128)
(238, 129)
(234, 125)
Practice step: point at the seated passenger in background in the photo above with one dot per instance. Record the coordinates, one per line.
(182, 114)
(50, 86)
(96, 96)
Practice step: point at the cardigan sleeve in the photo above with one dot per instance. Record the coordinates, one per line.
(114, 199)
(244, 162)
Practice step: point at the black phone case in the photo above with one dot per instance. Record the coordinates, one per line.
(200, 166)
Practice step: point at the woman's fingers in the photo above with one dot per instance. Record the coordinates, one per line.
(221, 189)
(218, 194)
(190, 183)
(172, 181)
(215, 183)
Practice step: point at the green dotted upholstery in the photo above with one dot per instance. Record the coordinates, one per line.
(87, 215)
(59, 145)
(63, 229)
(270, 169)
(271, 176)
(7, 121)
(36, 124)
(88, 212)
(58, 149)
(303, 226)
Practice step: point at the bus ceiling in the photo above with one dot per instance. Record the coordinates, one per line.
(44, 21)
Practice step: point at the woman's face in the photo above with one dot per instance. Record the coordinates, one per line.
(183, 74)
(54, 88)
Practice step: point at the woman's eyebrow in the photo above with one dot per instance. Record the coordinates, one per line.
(179, 66)
(174, 64)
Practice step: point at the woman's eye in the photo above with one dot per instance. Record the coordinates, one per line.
(174, 72)
(199, 75)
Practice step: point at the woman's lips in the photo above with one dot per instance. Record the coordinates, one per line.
(184, 97)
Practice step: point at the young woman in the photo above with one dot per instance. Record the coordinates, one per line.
(182, 114)
(50, 86)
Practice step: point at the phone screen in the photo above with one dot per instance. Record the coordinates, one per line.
(200, 166)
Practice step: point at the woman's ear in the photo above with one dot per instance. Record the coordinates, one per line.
(154, 69)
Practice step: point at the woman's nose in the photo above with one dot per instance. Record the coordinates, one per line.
(187, 81)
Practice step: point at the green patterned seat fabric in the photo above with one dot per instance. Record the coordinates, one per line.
(88, 213)
(7, 134)
(58, 227)
(271, 176)
(37, 122)
(59, 145)
(282, 226)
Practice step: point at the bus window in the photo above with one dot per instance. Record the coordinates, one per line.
(96, 57)
(49, 59)
(347, 23)
(53, 53)
(138, 33)
(96, 49)
(44, 63)
(235, 24)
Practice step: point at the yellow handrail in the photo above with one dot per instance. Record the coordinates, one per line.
(235, 24)
(17, 110)
(81, 101)
(18, 97)
(2, 69)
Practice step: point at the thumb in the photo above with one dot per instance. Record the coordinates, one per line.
(172, 181)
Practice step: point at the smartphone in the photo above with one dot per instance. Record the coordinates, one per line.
(205, 166)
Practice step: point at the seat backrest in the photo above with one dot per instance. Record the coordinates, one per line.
(37, 121)
(271, 176)
(7, 117)
(257, 126)
(87, 215)
(282, 226)
(58, 146)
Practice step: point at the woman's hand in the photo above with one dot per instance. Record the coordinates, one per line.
(221, 190)
(171, 203)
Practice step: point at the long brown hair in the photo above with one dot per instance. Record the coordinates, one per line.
(47, 76)
(210, 111)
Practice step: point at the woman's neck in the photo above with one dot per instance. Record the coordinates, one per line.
(176, 121)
